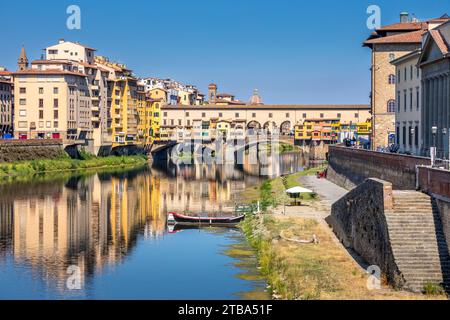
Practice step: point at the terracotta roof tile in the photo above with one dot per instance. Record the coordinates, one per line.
(268, 107)
(440, 41)
(409, 26)
(51, 62)
(407, 37)
(48, 72)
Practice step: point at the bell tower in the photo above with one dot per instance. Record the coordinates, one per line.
(212, 93)
(22, 63)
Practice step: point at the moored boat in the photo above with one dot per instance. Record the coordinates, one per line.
(176, 218)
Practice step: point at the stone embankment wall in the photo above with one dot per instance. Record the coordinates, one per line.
(349, 167)
(16, 150)
(359, 221)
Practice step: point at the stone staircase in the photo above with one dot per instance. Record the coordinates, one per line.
(418, 241)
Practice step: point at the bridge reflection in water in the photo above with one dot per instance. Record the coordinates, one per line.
(96, 221)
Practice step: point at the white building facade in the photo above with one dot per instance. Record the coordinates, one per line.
(409, 103)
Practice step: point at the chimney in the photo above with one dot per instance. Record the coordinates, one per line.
(61, 41)
(404, 17)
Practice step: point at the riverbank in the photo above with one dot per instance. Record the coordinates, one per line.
(305, 270)
(23, 169)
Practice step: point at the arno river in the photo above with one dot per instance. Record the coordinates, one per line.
(111, 227)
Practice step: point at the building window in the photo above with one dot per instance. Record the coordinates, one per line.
(416, 136)
(399, 73)
(417, 98)
(187, 114)
(411, 100)
(203, 115)
(253, 115)
(179, 122)
(398, 134)
(391, 79)
(41, 115)
(339, 115)
(41, 103)
(165, 114)
(304, 116)
(404, 135)
(55, 124)
(412, 72)
(236, 115)
(55, 103)
(55, 114)
(23, 113)
(322, 116)
(41, 90)
(406, 74)
(270, 115)
(23, 124)
(55, 90)
(220, 115)
(287, 115)
(404, 101)
(48, 124)
(391, 106)
(23, 102)
(23, 90)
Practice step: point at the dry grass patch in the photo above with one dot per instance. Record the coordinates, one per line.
(307, 271)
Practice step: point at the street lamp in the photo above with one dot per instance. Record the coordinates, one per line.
(434, 130)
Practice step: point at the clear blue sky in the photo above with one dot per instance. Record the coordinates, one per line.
(292, 51)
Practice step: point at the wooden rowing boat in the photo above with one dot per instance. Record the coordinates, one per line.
(176, 218)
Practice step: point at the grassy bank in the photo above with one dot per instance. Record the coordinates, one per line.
(272, 192)
(308, 271)
(29, 168)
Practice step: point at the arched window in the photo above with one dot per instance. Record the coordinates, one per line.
(392, 79)
(391, 106)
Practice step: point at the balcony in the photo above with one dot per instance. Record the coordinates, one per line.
(95, 109)
(95, 119)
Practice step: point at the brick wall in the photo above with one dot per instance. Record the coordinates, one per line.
(358, 220)
(435, 181)
(20, 150)
(350, 167)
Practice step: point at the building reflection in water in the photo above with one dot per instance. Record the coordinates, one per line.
(84, 221)
(96, 220)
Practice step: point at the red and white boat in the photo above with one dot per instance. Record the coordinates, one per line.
(180, 219)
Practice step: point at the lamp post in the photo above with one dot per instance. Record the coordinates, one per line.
(434, 130)
(444, 133)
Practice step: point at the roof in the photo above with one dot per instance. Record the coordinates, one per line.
(440, 41)
(6, 73)
(411, 55)
(407, 37)
(48, 72)
(409, 26)
(88, 65)
(269, 107)
(229, 102)
(225, 95)
(51, 62)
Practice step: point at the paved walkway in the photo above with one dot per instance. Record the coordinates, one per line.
(328, 194)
